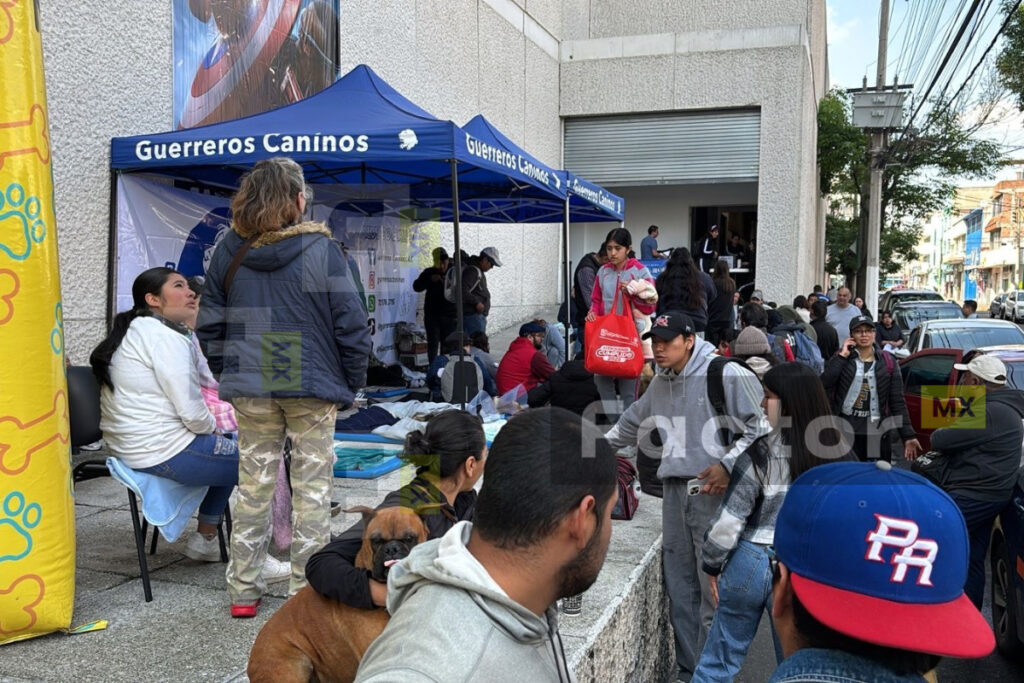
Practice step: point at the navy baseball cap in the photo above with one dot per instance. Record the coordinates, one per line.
(860, 321)
(531, 328)
(670, 325)
(880, 554)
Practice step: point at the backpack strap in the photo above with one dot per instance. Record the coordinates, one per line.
(236, 262)
(716, 393)
(716, 384)
(889, 362)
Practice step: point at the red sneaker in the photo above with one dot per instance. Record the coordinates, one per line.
(244, 611)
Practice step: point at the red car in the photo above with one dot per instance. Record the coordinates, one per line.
(934, 367)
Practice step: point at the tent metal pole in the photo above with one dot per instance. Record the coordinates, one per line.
(112, 250)
(568, 280)
(459, 327)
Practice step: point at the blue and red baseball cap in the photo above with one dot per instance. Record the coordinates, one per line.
(880, 554)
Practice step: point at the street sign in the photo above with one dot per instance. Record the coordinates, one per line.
(878, 109)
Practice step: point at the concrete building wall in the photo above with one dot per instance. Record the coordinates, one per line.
(108, 73)
(719, 55)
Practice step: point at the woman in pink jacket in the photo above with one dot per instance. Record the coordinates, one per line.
(617, 274)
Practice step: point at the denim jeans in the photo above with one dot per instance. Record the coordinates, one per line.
(979, 516)
(473, 323)
(210, 460)
(744, 593)
(612, 389)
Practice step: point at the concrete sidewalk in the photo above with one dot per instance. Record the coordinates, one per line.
(186, 633)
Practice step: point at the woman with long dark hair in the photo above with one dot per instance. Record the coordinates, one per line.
(153, 415)
(682, 287)
(735, 551)
(720, 308)
(449, 458)
(283, 324)
(625, 274)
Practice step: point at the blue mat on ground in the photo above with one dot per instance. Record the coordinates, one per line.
(365, 459)
(363, 437)
(388, 393)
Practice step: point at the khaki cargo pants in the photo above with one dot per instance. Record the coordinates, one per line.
(263, 425)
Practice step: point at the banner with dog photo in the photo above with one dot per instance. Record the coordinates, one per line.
(160, 225)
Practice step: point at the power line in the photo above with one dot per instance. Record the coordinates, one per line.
(945, 60)
(992, 44)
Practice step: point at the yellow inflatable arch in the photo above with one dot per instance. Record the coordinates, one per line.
(37, 514)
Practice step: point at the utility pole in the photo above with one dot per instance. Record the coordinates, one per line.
(878, 145)
(1017, 232)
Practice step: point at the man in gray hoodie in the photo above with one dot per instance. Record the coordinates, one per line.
(695, 465)
(478, 604)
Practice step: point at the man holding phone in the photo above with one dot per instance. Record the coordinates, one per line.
(669, 421)
(866, 389)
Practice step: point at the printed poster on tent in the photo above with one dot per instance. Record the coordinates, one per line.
(233, 58)
(159, 225)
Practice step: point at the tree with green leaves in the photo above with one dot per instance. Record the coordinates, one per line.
(1010, 62)
(922, 167)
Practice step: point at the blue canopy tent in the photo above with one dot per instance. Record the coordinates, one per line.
(581, 200)
(368, 147)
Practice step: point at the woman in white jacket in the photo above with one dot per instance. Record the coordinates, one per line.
(153, 414)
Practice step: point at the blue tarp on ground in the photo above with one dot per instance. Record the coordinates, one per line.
(378, 150)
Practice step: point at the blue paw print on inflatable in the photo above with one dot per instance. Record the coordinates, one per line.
(57, 333)
(21, 224)
(16, 521)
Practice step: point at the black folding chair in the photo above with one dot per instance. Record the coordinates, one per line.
(84, 418)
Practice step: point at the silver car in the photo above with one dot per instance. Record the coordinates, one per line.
(1013, 305)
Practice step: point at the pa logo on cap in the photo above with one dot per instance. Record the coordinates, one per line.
(914, 551)
(661, 321)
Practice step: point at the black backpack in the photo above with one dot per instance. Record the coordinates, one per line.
(716, 394)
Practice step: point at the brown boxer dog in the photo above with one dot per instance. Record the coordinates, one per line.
(313, 638)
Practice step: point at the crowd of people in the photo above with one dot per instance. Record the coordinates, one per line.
(788, 507)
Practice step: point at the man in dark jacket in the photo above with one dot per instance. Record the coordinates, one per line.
(438, 312)
(866, 389)
(828, 340)
(984, 447)
(476, 298)
(524, 363)
(583, 287)
(709, 250)
(571, 387)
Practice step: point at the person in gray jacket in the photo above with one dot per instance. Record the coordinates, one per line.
(282, 325)
(676, 408)
(478, 604)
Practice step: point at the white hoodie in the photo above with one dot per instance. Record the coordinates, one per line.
(451, 622)
(156, 407)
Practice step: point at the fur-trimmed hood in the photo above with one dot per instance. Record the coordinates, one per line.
(275, 236)
(278, 248)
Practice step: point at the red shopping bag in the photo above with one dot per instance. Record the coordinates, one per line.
(613, 345)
